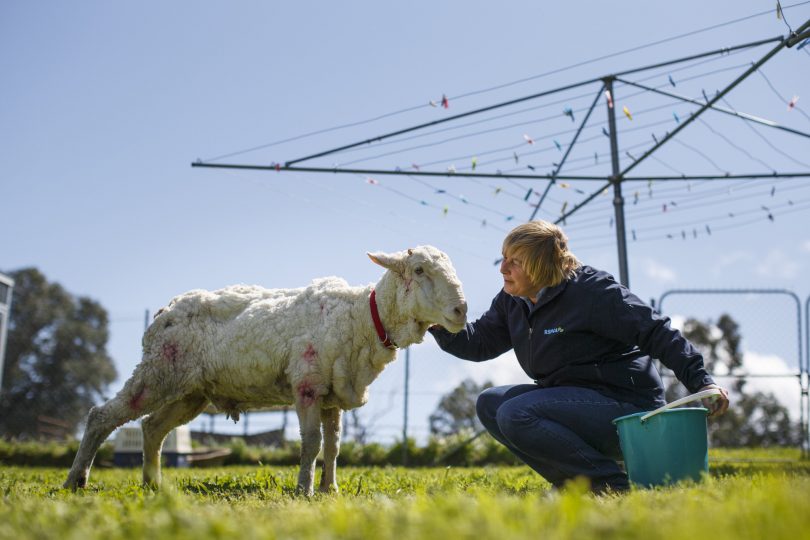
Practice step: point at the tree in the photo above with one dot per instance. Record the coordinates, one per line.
(753, 419)
(57, 364)
(756, 419)
(456, 410)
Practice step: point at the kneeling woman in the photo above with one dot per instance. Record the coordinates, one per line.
(588, 343)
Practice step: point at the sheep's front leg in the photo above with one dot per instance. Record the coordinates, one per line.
(330, 419)
(101, 421)
(309, 419)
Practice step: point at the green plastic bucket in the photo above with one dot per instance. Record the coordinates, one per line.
(665, 448)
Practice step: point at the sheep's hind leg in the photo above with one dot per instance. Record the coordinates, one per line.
(309, 418)
(157, 425)
(101, 421)
(330, 419)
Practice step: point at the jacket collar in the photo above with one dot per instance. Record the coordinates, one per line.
(548, 294)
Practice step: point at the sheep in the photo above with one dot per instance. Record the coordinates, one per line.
(246, 347)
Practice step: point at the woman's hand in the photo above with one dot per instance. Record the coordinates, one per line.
(717, 405)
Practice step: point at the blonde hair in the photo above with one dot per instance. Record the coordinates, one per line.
(543, 249)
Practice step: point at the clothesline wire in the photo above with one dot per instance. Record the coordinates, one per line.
(565, 100)
(698, 226)
(703, 200)
(591, 126)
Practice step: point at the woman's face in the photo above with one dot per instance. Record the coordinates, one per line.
(515, 280)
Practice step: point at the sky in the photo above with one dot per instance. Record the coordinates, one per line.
(104, 107)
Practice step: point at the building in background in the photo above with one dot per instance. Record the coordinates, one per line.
(129, 447)
(6, 288)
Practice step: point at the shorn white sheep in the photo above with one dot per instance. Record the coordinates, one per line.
(245, 347)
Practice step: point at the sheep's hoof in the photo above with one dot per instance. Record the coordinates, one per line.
(304, 491)
(73, 483)
(332, 489)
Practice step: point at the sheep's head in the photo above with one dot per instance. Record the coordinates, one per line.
(428, 286)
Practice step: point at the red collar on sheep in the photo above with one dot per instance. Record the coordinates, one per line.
(378, 325)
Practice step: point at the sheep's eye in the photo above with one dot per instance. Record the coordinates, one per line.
(418, 271)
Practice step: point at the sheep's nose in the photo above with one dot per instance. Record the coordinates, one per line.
(461, 310)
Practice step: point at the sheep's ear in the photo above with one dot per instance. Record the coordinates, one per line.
(385, 260)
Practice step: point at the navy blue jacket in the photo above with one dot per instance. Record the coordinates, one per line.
(589, 331)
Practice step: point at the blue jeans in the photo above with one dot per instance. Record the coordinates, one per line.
(560, 432)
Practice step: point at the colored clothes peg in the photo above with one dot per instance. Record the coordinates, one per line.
(569, 112)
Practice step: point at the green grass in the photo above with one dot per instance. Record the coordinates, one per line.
(402, 504)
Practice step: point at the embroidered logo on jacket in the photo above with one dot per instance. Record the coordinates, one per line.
(558, 330)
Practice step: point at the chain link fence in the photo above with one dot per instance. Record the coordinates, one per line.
(770, 325)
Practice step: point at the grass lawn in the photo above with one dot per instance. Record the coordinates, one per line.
(762, 495)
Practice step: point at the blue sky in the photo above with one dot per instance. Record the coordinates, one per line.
(104, 106)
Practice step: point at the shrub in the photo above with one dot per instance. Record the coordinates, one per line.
(47, 454)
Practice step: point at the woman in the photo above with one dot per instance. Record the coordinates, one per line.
(588, 343)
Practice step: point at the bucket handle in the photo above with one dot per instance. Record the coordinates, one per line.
(684, 400)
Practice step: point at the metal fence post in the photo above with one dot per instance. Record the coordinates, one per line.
(805, 379)
(405, 408)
